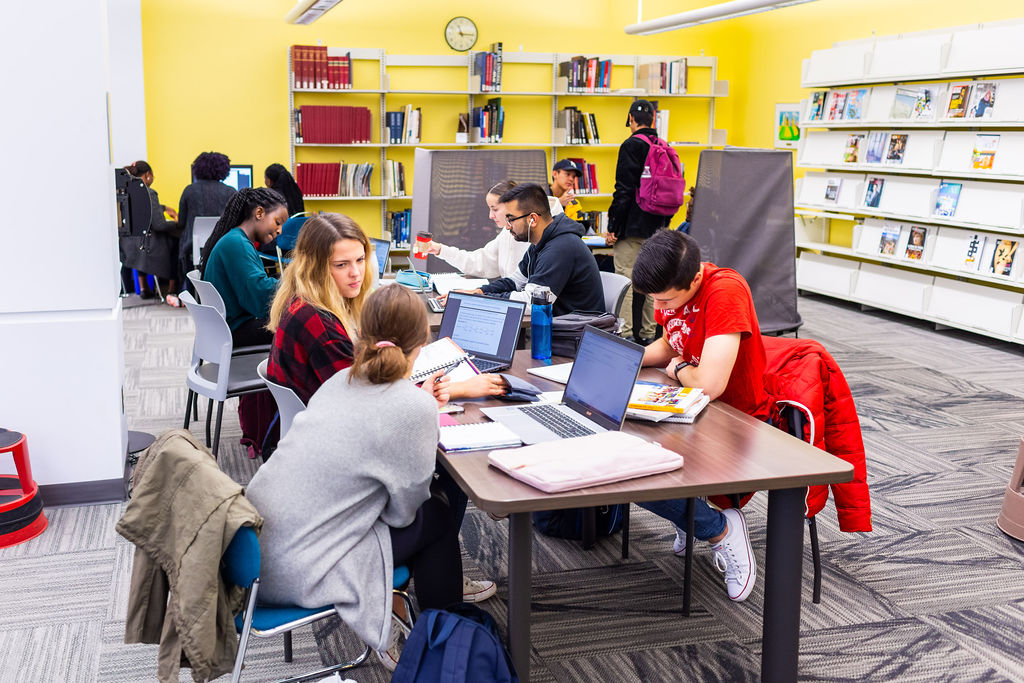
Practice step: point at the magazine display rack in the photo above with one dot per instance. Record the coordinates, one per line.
(445, 86)
(918, 141)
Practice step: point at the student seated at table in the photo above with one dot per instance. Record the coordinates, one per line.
(314, 312)
(230, 263)
(348, 495)
(556, 258)
(498, 258)
(712, 341)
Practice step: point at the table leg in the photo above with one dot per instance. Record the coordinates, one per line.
(520, 540)
(780, 635)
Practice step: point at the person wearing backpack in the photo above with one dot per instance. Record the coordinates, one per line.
(648, 192)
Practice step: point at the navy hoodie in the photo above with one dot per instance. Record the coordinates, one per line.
(562, 262)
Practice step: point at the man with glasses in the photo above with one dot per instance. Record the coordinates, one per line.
(557, 257)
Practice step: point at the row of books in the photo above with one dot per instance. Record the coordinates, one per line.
(487, 69)
(393, 181)
(399, 224)
(330, 125)
(884, 147)
(585, 75)
(982, 254)
(404, 126)
(575, 127)
(334, 180)
(593, 221)
(487, 123)
(945, 202)
(321, 68)
(586, 183)
(974, 100)
(662, 77)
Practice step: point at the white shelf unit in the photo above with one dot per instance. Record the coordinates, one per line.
(940, 286)
(380, 61)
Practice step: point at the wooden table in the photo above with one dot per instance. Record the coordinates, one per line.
(725, 452)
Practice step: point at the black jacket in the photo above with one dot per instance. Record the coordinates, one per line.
(625, 217)
(157, 252)
(562, 262)
(201, 198)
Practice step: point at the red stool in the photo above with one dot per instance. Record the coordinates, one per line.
(21, 507)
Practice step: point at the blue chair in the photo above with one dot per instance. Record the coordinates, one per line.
(287, 239)
(241, 567)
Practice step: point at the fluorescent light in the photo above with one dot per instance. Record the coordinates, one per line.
(308, 11)
(706, 15)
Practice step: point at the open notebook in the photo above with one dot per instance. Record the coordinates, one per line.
(442, 355)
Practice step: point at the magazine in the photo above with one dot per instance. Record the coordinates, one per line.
(949, 195)
(832, 190)
(1002, 257)
(836, 105)
(983, 99)
(984, 151)
(853, 148)
(958, 95)
(816, 109)
(855, 104)
(915, 242)
(875, 147)
(874, 192)
(975, 248)
(904, 103)
(924, 109)
(890, 238)
(897, 146)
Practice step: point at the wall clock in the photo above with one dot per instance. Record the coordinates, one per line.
(460, 34)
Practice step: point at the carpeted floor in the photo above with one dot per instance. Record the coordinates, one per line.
(936, 592)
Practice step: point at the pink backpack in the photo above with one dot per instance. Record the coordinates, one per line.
(662, 185)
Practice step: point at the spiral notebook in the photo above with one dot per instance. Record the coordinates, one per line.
(474, 437)
(442, 355)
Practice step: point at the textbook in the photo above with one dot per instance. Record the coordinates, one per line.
(474, 437)
(663, 397)
(664, 417)
(915, 242)
(949, 195)
(873, 193)
(442, 355)
(984, 151)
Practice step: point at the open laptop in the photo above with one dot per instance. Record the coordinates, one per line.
(595, 398)
(381, 249)
(483, 326)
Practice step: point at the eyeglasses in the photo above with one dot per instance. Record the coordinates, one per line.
(509, 220)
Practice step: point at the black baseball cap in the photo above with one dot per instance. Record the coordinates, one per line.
(639, 106)
(568, 165)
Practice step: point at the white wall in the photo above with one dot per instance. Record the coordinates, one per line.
(60, 315)
(127, 89)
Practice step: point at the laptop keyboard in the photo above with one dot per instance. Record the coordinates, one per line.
(552, 418)
(484, 365)
(435, 305)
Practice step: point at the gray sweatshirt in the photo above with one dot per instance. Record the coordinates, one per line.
(357, 461)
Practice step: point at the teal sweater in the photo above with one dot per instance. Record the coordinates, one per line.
(235, 269)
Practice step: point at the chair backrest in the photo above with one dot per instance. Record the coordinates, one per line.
(614, 286)
(241, 559)
(202, 228)
(212, 345)
(288, 402)
(208, 294)
(290, 231)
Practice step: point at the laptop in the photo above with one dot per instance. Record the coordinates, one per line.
(485, 327)
(595, 398)
(381, 249)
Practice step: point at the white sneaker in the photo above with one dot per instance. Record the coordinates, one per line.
(477, 591)
(396, 640)
(679, 545)
(734, 557)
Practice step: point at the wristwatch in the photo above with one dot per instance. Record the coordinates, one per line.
(680, 366)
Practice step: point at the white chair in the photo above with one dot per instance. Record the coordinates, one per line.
(214, 372)
(614, 286)
(202, 228)
(288, 402)
(209, 296)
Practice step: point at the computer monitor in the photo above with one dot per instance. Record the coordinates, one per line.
(239, 176)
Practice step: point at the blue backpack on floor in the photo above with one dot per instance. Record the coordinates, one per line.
(459, 645)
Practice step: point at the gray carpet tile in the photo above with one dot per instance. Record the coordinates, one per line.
(946, 499)
(43, 590)
(67, 651)
(992, 632)
(69, 529)
(724, 661)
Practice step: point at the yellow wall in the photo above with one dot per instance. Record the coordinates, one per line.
(215, 72)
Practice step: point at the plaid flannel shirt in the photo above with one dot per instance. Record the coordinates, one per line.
(310, 345)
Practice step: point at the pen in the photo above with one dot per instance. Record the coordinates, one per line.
(452, 367)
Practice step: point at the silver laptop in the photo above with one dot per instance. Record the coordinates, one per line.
(595, 398)
(485, 327)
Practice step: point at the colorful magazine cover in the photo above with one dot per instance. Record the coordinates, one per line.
(924, 108)
(890, 237)
(855, 104)
(958, 96)
(873, 194)
(852, 151)
(984, 151)
(903, 104)
(876, 147)
(975, 248)
(837, 104)
(915, 242)
(983, 99)
(1002, 257)
(949, 195)
(897, 146)
(816, 109)
(832, 190)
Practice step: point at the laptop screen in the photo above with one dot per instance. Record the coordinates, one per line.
(602, 377)
(381, 249)
(482, 325)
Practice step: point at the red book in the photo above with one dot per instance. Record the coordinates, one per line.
(591, 74)
(321, 53)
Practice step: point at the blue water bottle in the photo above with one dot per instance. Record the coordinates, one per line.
(540, 324)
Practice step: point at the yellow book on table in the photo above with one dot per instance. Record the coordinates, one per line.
(663, 397)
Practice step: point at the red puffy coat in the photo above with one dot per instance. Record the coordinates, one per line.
(802, 371)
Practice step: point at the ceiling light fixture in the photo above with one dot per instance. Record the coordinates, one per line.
(706, 15)
(308, 11)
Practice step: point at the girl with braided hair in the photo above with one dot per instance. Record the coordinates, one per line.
(230, 262)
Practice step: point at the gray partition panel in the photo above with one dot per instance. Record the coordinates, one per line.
(743, 219)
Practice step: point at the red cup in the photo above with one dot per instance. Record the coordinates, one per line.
(419, 249)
